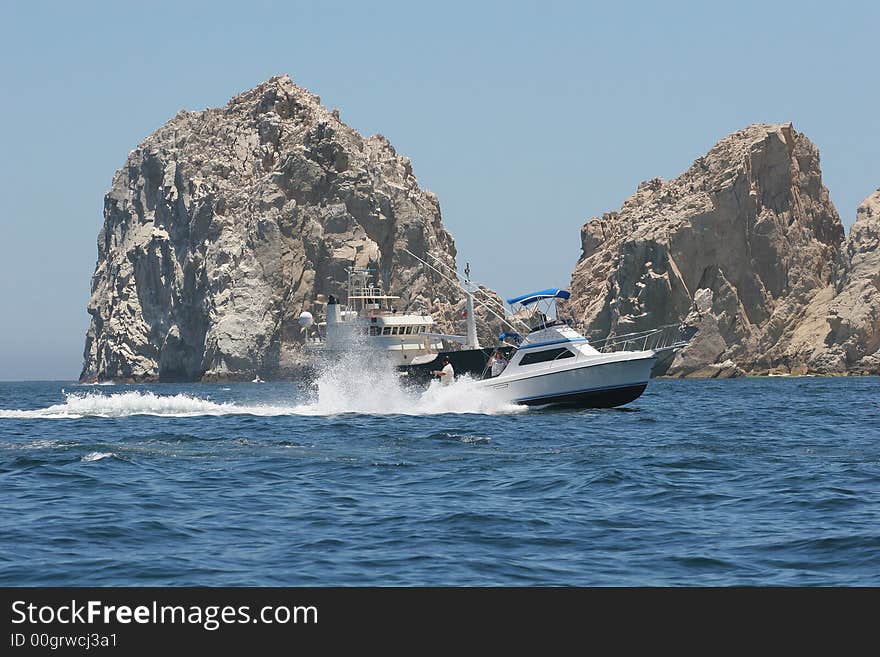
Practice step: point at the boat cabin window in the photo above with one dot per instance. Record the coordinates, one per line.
(374, 330)
(386, 330)
(547, 355)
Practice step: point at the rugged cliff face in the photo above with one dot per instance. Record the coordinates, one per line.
(840, 332)
(746, 246)
(854, 315)
(224, 225)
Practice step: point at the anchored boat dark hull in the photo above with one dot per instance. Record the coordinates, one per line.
(465, 361)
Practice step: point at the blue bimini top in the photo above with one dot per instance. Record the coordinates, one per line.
(532, 297)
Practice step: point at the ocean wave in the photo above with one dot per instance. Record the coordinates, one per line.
(97, 456)
(40, 443)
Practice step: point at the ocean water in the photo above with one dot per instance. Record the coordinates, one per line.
(772, 481)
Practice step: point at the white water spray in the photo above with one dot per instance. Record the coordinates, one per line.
(364, 382)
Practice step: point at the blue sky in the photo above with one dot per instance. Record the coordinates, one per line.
(525, 118)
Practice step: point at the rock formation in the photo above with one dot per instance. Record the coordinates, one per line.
(745, 246)
(855, 310)
(840, 332)
(224, 224)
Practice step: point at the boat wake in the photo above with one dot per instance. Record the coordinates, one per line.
(346, 386)
(124, 404)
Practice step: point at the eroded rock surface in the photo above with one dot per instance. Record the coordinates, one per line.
(841, 329)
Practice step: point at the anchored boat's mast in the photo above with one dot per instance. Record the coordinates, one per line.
(472, 341)
(497, 312)
(470, 318)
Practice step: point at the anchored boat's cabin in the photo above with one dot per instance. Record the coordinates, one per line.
(370, 321)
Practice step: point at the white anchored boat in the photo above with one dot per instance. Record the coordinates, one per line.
(556, 365)
(369, 324)
(368, 321)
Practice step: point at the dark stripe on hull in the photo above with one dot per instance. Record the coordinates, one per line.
(605, 398)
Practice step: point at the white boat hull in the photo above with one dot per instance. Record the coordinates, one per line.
(601, 382)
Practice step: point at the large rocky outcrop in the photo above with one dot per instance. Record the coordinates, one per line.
(224, 224)
(749, 232)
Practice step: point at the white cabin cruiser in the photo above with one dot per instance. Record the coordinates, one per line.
(369, 322)
(556, 365)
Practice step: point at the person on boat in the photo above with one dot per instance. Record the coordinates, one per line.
(446, 373)
(497, 363)
(490, 365)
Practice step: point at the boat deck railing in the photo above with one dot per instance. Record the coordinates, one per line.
(663, 338)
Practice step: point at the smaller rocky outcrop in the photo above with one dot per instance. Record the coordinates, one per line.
(840, 332)
(855, 310)
(740, 245)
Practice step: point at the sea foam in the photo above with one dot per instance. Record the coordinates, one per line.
(97, 456)
(357, 383)
(137, 402)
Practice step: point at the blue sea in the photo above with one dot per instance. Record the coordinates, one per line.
(758, 481)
